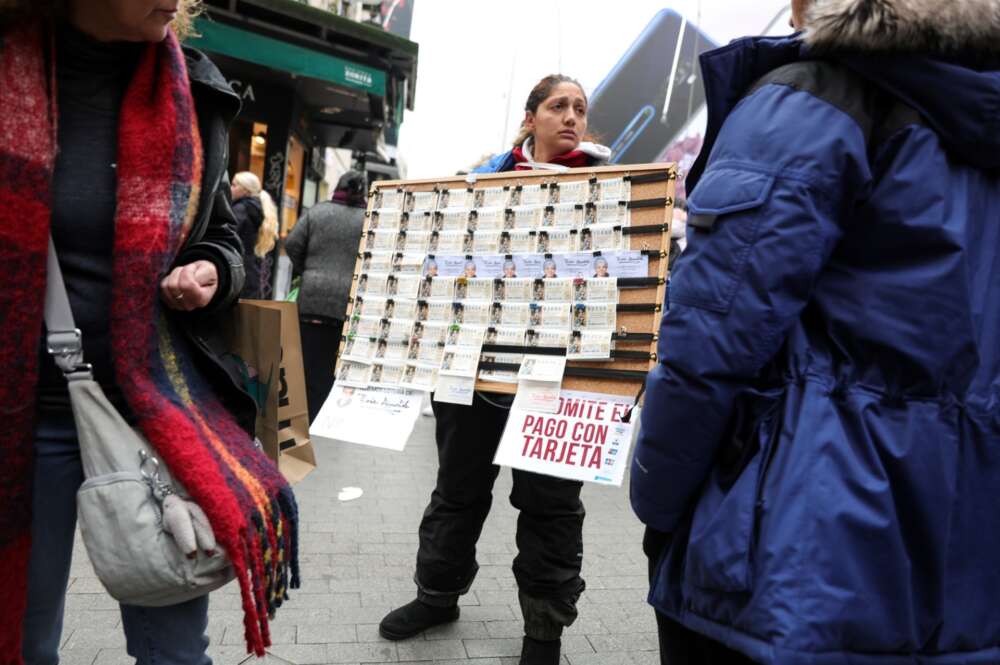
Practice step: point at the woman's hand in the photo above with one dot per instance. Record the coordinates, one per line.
(190, 287)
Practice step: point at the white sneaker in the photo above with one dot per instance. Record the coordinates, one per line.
(428, 411)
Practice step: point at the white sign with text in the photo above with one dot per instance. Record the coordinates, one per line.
(585, 439)
(380, 417)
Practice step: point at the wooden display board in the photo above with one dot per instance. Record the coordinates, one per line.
(640, 300)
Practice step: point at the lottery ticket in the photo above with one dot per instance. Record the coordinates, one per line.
(572, 192)
(359, 349)
(418, 377)
(594, 315)
(420, 201)
(589, 345)
(353, 374)
(550, 315)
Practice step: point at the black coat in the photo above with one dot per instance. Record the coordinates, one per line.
(249, 216)
(213, 237)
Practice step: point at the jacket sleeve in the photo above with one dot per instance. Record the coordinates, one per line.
(763, 221)
(297, 243)
(221, 245)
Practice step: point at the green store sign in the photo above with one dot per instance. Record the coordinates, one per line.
(245, 45)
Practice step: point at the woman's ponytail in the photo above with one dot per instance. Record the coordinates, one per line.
(267, 235)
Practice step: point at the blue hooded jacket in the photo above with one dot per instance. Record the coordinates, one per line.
(822, 434)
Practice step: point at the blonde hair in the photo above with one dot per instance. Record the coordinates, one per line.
(267, 235)
(13, 10)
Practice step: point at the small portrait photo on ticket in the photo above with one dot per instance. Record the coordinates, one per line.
(461, 288)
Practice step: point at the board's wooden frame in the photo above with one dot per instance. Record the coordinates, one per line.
(645, 186)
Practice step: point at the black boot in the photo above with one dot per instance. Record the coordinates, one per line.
(537, 652)
(415, 617)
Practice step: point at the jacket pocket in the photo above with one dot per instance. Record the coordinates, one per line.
(724, 213)
(720, 545)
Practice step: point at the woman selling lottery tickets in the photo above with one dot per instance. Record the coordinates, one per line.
(550, 525)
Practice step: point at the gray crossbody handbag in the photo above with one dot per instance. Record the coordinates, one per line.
(149, 543)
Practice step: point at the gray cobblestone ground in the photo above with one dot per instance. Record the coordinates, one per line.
(357, 563)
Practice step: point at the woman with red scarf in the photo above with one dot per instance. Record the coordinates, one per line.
(113, 143)
(550, 526)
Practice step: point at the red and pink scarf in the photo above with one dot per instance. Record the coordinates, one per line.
(574, 159)
(250, 506)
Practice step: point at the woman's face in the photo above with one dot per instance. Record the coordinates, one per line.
(237, 191)
(124, 20)
(560, 121)
(550, 271)
(601, 269)
(470, 271)
(509, 271)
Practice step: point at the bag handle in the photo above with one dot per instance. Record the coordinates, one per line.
(63, 339)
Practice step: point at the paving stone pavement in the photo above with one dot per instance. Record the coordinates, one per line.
(357, 564)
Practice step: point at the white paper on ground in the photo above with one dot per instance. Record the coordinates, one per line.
(350, 493)
(380, 417)
(455, 389)
(584, 440)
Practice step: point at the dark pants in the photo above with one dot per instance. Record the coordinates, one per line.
(680, 645)
(320, 343)
(549, 527)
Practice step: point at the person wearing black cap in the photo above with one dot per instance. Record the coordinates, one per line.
(322, 247)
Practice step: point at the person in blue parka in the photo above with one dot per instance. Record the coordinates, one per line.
(819, 458)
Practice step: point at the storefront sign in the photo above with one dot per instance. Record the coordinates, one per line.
(584, 440)
(254, 47)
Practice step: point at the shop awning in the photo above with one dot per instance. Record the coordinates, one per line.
(246, 45)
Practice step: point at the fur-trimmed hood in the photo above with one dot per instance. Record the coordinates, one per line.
(927, 26)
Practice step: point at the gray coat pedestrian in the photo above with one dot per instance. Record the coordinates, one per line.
(323, 247)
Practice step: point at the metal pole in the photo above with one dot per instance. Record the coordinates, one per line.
(673, 70)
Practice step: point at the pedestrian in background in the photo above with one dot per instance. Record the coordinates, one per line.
(550, 524)
(819, 460)
(323, 248)
(257, 225)
(106, 151)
